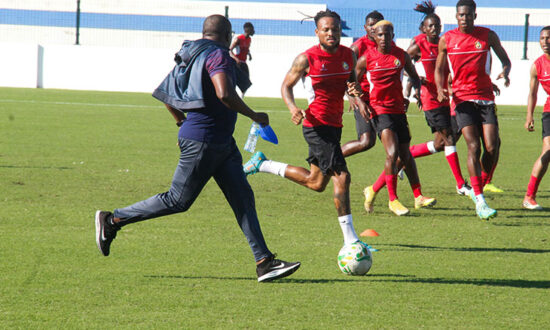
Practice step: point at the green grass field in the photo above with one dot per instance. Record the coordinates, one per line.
(64, 154)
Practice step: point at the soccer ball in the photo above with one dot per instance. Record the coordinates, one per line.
(355, 259)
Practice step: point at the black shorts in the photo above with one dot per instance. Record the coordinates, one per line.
(244, 68)
(545, 124)
(470, 113)
(438, 119)
(362, 126)
(454, 125)
(324, 148)
(395, 122)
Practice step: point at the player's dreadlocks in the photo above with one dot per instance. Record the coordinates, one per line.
(428, 9)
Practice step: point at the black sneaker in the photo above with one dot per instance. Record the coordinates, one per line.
(272, 269)
(105, 233)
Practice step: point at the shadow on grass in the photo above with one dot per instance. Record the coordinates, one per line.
(38, 167)
(460, 249)
(283, 280)
(526, 284)
(395, 278)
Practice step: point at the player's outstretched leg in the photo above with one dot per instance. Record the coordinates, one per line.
(252, 166)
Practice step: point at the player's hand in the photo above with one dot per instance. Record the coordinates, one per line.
(530, 124)
(297, 115)
(261, 118)
(442, 95)
(406, 103)
(504, 76)
(496, 90)
(354, 89)
(422, 80)
(364, 111)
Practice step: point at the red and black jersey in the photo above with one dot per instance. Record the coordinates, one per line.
(385, 73)
(469, 57)
(428, 56)
(242, 49)
(543, 74)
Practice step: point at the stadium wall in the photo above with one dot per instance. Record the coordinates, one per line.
(129, 45)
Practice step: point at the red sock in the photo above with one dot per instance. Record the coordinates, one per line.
(416, 190)
(391, 182)
(420, 150)
(380, 182)
(452, 159)
(533, 186)
(476, 184)
(484, 178)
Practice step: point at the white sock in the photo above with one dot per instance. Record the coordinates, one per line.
(480, 199)
(449, 150)
(346, 223)
(273, 167)
(431, 147)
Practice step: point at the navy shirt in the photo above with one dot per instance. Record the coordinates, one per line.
(215, 122)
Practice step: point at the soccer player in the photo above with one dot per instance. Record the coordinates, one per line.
(385, 65)
(366, 136)
(466, 50)
(206, 91)
(240, 48)
(328, 66)
(540, 74)
(423, 48)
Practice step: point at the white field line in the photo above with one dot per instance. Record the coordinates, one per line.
(157, 107)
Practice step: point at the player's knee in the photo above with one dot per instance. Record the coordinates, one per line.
(317, 186)
(366, 142)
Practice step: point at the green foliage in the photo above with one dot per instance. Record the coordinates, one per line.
(64, 154)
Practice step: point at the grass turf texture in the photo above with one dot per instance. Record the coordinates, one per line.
(64, 154)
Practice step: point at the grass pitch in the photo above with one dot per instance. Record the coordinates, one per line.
(64, 154)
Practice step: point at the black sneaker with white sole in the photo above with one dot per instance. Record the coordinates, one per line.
(105, 232)
(272, 269)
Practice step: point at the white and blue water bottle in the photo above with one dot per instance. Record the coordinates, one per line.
(250, 144)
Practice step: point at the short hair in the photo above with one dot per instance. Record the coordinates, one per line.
(546, 28)
(248, 25)
(468, 3)
(382, 23)
(428, 9)
(327, 13)
(375, 14)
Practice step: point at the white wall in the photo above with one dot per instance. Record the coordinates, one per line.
(142, 69)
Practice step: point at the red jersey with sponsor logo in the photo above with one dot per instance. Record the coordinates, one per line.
(543, 74)
(428, 56)
(385, 72)
(326, 84)
(243, 47)
(363, 44)
(469, 58)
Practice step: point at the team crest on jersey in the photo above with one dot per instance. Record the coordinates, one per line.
(323, 67)
(478, 45)
(397, 62)
(345, 66)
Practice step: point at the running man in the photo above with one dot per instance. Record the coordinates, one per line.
(423, 48)
(385, 65)
(467, 50)
(366, 136)
(540, 74)
(328, 67)
(206, 91)
(240, 48)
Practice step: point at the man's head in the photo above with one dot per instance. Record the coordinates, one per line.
(383, 35)
(217, 28)
(372, 18)
(328, 29)
(465, 14)
(545, 40)
(248, 29)
(431, 23)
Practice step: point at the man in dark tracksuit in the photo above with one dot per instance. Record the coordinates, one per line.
(203, 85)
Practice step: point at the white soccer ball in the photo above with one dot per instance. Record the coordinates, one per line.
(355, 259)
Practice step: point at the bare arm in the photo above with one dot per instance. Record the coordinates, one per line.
(179, 116)
(532, 99)
(356, 100)
(440, 67)
(228, 96)
(299, 68)
(234, 44)
(494, 43)
(414, 53)
(413, 77)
